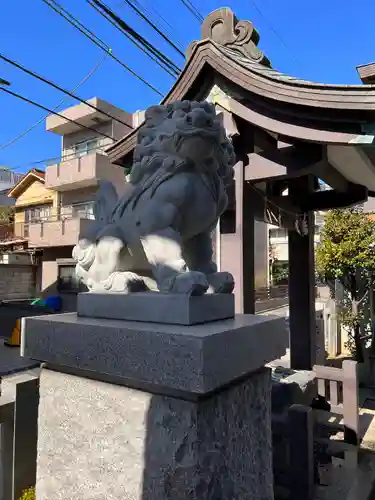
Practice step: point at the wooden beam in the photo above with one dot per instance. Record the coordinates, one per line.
(286, 162)
(229, 121)
(326, 200)
(290, 130)
(261, 168)
(263, 141)
(328, 174)
(267, 210)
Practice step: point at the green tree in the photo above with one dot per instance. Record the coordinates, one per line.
(347, 253)
(6, 214)
(28, 494)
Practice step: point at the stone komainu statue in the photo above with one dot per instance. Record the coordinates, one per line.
(157, 236)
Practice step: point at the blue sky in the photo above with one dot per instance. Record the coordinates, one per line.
(325, 40)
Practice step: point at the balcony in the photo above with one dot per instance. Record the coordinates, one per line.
(82, 172)
(82, 114)
(57, 232)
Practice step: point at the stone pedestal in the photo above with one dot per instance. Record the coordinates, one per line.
(144, 411)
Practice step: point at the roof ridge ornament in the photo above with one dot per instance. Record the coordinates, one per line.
(223, 28)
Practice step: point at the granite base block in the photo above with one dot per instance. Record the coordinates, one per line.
(101, 441)
(178, 309)
(196, 359)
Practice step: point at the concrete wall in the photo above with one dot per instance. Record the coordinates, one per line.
(369, 205)
(15, 258)
(17, 282)
(50, 265)
(83, 171)
(78, 196)
(84, 114)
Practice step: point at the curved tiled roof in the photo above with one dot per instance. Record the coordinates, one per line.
(273, 74)
(229, 49)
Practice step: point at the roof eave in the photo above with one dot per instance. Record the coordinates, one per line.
(206, 53)
(23, 183)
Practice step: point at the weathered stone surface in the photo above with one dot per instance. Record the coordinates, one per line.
(292, 387)
(196, 359)
(100, 441)
(178, 309)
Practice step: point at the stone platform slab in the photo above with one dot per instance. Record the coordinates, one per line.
(195, 359)
(154, 307)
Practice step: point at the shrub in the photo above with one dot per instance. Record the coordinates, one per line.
(28, 494)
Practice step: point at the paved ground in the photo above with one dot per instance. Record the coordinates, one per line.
(11, 361)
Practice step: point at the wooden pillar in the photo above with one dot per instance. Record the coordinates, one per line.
(245, 278)
(302, 286)
(237, 243)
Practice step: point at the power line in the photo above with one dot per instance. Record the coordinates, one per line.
(57, 87)
(171, 31)
(191, 8)
(29, 129)
(150, 23)
(135, 37)
(96, 40)
(274, 30)
(63, 12)
(29, 101)
(136, 43)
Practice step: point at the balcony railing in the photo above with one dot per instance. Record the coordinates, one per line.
(60, 230)
(80, 171)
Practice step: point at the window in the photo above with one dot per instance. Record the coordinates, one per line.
(83, 210)
(67, 279)
(85, 147)
(278, 233)
(38, 213)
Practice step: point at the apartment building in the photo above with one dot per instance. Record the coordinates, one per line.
(54, 206)
(8, 178)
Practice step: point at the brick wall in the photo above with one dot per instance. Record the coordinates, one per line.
(16, 282)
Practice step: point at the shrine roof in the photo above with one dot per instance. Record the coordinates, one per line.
(274, 74)
(229, 51)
